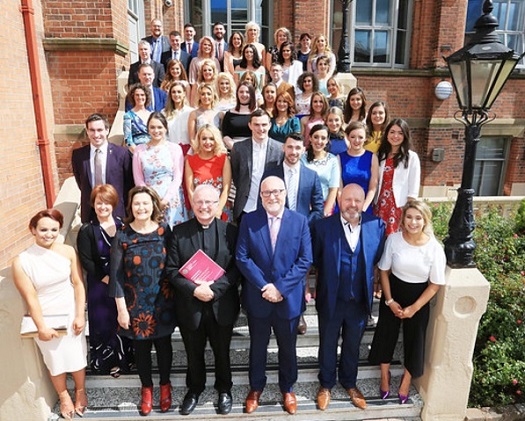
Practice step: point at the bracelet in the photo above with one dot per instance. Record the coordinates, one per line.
(388, 302)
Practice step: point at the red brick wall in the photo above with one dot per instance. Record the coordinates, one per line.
(21, 183)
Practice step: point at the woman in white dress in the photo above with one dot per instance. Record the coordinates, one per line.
(48, 276)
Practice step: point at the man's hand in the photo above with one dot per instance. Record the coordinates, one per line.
(271, 293)
(203, 292)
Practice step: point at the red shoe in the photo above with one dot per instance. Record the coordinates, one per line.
(165, 397)
(146, 403)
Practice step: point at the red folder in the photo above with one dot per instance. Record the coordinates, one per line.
(200, 268)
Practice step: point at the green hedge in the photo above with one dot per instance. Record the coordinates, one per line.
(499, 354)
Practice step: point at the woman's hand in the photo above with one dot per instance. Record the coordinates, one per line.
(164, 204)
(123, 319)
(396, 309)
(408, 312)
(47, 334)
(78, 324)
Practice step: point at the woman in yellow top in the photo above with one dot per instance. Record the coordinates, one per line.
(376, 121)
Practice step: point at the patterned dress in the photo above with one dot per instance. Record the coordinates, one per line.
(135, 129)
(386, 207)
(160, 167)
(209, 171)
(138, 275)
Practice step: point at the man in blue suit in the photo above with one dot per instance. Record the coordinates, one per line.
(158, 96)
(347, 246)
(303, 187)
(190, 45)
(176, 52)
(274, 253)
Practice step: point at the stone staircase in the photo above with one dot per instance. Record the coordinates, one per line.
(117, 399)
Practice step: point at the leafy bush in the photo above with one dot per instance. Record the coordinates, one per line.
(499, 354)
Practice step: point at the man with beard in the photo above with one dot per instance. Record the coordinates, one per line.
(346, 247)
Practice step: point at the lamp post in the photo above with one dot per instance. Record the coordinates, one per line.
(479, 71)
(343, 52)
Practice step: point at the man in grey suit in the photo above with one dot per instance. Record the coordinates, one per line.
(250, 158)
(159, 43)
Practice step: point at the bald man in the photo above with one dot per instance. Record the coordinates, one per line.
(346, 247)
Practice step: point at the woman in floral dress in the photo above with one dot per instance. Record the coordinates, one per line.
(142, 292)
(159, 164)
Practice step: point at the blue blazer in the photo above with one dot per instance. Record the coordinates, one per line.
(327, 236)
(160, 100)
(194, 48)
(309, 194)
(286, 268)
(184, 58)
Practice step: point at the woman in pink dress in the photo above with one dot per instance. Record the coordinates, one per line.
(209, 164)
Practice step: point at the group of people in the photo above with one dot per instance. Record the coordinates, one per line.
(264, 195)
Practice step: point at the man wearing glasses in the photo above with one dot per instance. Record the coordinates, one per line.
(206, 308)
(274, 253)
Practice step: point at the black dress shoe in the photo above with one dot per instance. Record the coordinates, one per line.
(225, 403)
(189, 403)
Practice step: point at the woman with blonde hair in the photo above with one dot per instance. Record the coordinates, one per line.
(252, 33)
(206, 111)
(316, 115)
(206, 51)
(226, 88)
(209, 164)
(207, 73)
(279, 36)
(320, 48)
(336, 96)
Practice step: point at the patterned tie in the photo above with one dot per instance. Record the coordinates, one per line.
(292, 189)
(274, 230)
(98, 167)
(219, 51)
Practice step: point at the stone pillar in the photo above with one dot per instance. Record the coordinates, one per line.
(347, 81)
(451, 337)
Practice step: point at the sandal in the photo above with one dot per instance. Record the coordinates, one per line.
(67, 410)
(80, 402)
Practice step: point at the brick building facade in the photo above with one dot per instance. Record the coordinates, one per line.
(83, 46)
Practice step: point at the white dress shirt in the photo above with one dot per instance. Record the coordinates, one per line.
(258, 164)
(351, 233)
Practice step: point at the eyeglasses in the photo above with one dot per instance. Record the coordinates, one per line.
(268, 193)
(206, 203)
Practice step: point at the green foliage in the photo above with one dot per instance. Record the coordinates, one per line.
(499, 354)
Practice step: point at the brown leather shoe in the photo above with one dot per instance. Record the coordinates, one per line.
(252, 400)
(323, 398)
(301, 326)
(290, 402)
(357, 397)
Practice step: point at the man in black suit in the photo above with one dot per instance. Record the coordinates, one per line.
(112, 166)
(176, 52)
(250, 158)
(144, 58)
(205, 308)
(158, 42)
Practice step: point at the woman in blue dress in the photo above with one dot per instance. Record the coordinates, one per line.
(142, 293)
(135, 127)
(358, 165)
(109, 353)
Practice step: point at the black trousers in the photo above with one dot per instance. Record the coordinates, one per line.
(414, 329)
(143, 359)
(195, 345)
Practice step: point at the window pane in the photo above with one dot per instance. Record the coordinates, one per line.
(513, 23)
(362, 47)
(363, 12)
(218, 11)
(382, 12)
(402, 18)
(487, 178)
(239, 4)
(240, 15)
(381, 47)
(400, 47)
(491, 148)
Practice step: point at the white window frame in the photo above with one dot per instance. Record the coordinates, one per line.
(503, 25)
(392, 30)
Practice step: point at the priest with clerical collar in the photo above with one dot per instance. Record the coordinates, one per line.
(206, 308)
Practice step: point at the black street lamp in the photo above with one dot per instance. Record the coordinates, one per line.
(344, 63)
(479, 71)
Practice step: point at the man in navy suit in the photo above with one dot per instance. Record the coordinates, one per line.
(220, 43)
(347, 246)
(157, 95)
(304, 191)
(190, 45)
(274, 253)
(144, 58)
(158, 42)
(176, 52)
(115, 167)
